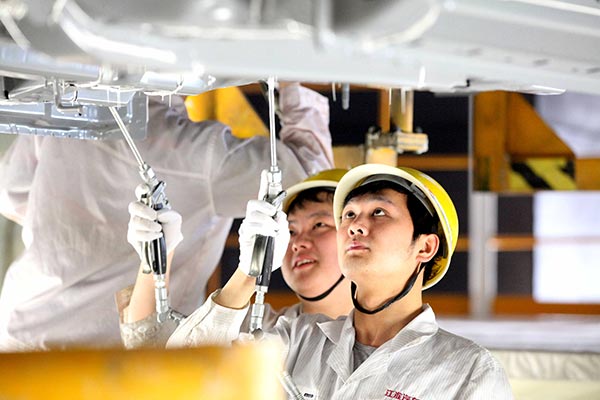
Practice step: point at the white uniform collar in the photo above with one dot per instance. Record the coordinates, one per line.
(422, 326)
(341, 332)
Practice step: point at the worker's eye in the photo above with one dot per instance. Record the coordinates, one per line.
(292, 232)
(324, 224)
(378, 212)
(349, 214)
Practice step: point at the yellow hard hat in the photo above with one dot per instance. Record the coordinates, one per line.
(328, 178)
(422, 186)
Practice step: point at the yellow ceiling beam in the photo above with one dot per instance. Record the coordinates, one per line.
(490, 128)
(516, 151)
(229, 106)
(527, 134)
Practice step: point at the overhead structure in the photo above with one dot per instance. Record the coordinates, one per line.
(81, 54)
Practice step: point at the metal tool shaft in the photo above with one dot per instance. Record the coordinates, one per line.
(154, 252)
(127, 137)
(272, 134)
(262, 257)
(290, 388)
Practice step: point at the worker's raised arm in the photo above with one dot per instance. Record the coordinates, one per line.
(263, 219)
(219, 320)
(17, 170)
(146, 225)
(139, 326)
(304, 148)
(304, 121)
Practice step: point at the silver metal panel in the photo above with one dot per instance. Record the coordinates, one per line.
(427, 45)
(188, 47)
(93, 122)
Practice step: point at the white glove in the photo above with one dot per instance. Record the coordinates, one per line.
(260, 221)
(143, 226)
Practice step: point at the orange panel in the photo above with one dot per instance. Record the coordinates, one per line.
(239, 372)
(526, 305)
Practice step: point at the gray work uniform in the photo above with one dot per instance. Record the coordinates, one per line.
(421, 362)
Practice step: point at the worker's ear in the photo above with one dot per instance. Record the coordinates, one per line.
(428, 246)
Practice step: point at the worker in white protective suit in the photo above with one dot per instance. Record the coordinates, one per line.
(310, 266)
(71, 198)
(396, 232)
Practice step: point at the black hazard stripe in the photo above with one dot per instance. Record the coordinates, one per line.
(554, 173)
(532, 179)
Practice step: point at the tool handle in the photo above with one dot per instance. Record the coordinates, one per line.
(264, 278)
(157, 255)
(159, 248)
(155, 251)
(261, 243)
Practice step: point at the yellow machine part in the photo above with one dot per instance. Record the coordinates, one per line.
(229, 106)
(517, 152)
(238, 372)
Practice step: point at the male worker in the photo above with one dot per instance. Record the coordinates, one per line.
(397, 230)
(310, 265)
(71, 198)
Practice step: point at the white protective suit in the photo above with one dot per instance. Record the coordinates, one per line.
(421, 362)
(71, 198)
(148, 332)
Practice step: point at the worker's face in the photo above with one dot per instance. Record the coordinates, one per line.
(310, 266)
(374, 240)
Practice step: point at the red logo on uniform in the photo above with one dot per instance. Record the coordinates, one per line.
(392, 394)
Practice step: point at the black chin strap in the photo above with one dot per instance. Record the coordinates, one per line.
(324, 294)
(400, 295)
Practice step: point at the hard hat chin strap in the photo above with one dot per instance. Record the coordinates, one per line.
(400, 295)
(325, 293)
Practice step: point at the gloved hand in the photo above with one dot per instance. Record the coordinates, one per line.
(260, 221)
(262, 218)
(143, 226)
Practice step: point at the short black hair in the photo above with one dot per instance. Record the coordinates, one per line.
(423, 222)
(313, 195)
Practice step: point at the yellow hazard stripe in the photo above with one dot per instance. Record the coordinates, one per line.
(551, 171)
(517, 183)
(543, 173)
